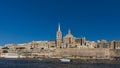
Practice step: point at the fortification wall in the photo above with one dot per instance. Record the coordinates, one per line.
(115, 52)
(93, 52)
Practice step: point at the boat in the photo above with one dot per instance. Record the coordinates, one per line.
(64, 60)
(40, 59)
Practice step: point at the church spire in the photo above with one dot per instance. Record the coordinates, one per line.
(59, 27)
(69, 32)
(59, 36)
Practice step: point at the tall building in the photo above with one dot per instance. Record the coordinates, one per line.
(59, 37)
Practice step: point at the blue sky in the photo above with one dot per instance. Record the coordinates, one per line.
(26, 20)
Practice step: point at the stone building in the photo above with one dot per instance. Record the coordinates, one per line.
(51, 44)
(81, 42)
(91, 44)
(59, 37)
(115, 44)
(11, 48)
(69, 40)
(39, 44)
(102, 44)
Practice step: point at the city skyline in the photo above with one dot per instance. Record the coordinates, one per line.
(25, 21)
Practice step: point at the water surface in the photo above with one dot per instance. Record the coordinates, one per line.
(27, 63)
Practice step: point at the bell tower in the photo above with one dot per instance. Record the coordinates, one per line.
(59, 37)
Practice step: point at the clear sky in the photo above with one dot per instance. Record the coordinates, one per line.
(26, 20)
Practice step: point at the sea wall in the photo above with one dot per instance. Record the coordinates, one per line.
(85, 52)
(115, 52)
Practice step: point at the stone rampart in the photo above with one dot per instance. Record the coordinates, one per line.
(91, 52)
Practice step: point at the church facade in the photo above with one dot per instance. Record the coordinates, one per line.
(69, 41)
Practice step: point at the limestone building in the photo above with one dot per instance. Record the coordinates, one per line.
(59, 37)
(102, 44)
(69, 40)
(115, 44)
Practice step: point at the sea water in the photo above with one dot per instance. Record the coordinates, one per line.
(28, 63)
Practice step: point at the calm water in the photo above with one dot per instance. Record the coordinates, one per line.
(20, 63)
